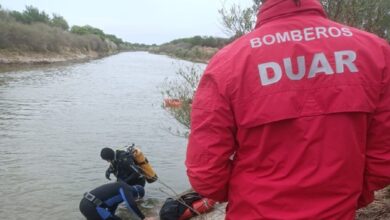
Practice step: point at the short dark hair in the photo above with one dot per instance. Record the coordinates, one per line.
(107, 154)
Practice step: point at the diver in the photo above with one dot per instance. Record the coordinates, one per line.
(101, 203)
(123, 167)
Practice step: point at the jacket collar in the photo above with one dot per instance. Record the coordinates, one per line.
(274, 9)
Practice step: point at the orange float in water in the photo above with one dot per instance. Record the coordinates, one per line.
(172, 103)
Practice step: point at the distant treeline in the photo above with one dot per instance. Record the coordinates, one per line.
(36, 31)
(204, 41)
(198, 48)
(33, 30)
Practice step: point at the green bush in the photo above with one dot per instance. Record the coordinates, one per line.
(181, 88)
(31, 15)
(199, 49)
(60, 22)
(205, 41)
(33, 30)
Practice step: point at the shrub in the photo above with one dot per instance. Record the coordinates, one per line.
(181, 88)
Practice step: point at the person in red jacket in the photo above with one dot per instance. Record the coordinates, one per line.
(292, 121)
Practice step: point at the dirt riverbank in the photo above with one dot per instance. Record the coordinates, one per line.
(20, 58)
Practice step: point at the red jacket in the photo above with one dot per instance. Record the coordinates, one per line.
(303, 104)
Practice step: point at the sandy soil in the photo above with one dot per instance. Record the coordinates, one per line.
(379, 209)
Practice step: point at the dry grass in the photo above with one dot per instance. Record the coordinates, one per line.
(42, 38)
(379, 209)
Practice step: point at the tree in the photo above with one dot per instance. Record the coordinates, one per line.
(87, 29)
(60, 22)
(371, 16)
(238, 21)
(182, 88)
(114, 39)
(32, 14)
(17, 16)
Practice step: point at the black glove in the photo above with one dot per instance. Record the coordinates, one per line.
(108, 173)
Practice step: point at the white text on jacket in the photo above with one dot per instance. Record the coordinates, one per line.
(306, 34)
(271, 72)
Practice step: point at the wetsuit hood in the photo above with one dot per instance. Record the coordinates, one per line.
(275, 9)
(107, 154)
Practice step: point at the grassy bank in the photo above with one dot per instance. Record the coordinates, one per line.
(32, 36)
(196, 49)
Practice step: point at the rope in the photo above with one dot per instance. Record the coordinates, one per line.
(181, 201)
(175, 194)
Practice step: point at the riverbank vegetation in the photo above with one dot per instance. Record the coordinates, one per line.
(34, 36)
(236, 21)
(196, 49)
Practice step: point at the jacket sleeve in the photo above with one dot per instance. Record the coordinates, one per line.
(377, 168)
(211, 141)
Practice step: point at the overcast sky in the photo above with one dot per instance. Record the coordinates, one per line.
(138, 21)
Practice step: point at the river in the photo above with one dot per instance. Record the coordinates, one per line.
(55, 119)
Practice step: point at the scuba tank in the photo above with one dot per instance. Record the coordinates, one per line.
(186, 206)
(142, 162)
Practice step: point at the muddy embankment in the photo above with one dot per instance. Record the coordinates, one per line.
(21, 58)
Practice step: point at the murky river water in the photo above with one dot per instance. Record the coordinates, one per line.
(55, 120)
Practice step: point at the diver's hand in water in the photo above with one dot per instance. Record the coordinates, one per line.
(108, 173)
(150, 218)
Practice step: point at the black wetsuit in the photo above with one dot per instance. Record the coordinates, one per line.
(124, 170)
(110, 195)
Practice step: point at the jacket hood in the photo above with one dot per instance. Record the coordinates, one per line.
(274, 9)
